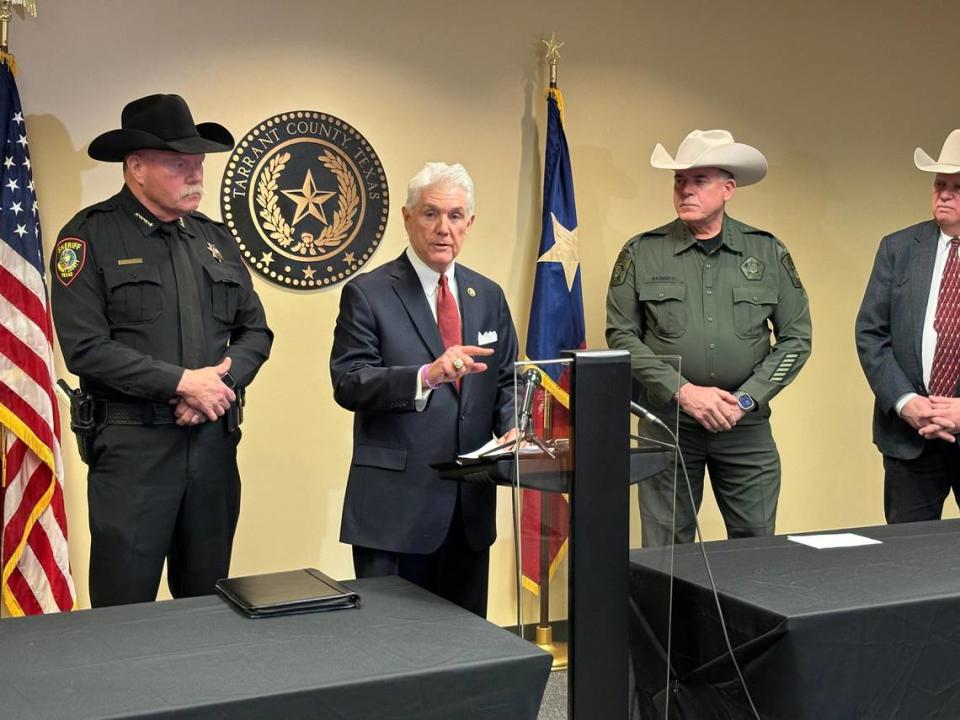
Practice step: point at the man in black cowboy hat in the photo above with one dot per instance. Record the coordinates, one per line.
(157, 315)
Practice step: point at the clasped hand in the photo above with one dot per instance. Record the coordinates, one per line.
(935, 417)
(715, 409)
(202, 395)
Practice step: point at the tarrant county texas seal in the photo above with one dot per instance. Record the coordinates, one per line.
(305, 197)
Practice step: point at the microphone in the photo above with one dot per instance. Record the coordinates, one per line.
(532, 377)
(641, 412)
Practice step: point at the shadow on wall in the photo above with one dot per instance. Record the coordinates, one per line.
(529, 186)
(611, 185)
(529, 195)
(62, 189)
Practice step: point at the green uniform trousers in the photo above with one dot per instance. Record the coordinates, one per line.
(744, 468)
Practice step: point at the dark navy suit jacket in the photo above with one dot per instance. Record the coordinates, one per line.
(384, 333)
(889, 332)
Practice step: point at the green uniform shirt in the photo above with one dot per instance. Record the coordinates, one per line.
(668, 297)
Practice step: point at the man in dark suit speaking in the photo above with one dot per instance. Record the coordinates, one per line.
(423, 354)
(908, 339)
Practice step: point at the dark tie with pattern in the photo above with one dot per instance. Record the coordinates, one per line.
(448, 318)
(946, 323)
(188, 299)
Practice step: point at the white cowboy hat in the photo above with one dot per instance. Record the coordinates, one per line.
(949, 161)
(714, 148)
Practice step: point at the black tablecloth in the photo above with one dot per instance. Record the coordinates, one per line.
(405, 654)
(865, 632)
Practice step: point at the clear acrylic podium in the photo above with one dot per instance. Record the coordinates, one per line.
(570, 477)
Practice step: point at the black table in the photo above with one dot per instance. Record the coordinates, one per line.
(868, 632)
(405, 654)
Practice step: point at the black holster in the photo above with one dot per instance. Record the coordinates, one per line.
(82, 422)
(234, 415)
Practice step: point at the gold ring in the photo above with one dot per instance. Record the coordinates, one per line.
(457, 364)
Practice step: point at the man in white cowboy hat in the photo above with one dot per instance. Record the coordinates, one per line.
(908, 339)
(710, 289)
(156, 313)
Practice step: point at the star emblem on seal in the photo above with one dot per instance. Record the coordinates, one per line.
(309, 200)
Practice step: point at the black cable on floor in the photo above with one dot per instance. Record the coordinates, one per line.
(706, 564)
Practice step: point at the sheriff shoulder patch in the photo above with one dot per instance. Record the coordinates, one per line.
(622, 268)
(791, 271)
(71, 256)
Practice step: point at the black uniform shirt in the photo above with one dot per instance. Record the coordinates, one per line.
(115, 305)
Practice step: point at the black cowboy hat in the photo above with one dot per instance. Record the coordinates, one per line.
(159, 122)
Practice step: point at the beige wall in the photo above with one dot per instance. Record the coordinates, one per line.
(836, 96)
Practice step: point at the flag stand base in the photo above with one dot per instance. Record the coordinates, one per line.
(557, 649)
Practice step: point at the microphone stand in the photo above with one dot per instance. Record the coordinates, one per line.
(544, 630)
(525, 432)
(528, 436)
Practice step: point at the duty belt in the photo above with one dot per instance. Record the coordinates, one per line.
(117, 413)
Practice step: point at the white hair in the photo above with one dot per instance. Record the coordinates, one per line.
(438, 173)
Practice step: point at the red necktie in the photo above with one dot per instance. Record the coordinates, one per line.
(946, 323)
(448, 317)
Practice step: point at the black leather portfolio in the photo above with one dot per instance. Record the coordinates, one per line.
(287, 593)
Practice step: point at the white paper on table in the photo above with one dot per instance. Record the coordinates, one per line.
(833, 540)
(526, 448)
(485, 448)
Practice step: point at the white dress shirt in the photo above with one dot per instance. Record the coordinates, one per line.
(430, 280)
(928, 343)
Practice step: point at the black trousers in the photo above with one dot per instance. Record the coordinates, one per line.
(915, 490)
(155, 493)
(455, 571)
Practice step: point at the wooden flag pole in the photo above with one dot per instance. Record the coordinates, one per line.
(544, 633)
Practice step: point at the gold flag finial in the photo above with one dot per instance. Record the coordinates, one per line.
(6, 14)
(553, 56)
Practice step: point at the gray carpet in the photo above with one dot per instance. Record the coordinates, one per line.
(554, 705)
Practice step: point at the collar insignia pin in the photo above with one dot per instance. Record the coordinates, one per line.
(471, 292)
(215, 252)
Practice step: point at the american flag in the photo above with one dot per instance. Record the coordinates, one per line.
(33, 547)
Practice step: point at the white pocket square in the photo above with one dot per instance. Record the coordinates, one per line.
(485, 338)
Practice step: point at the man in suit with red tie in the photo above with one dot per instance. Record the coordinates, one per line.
(423, 355)
(908, 339)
